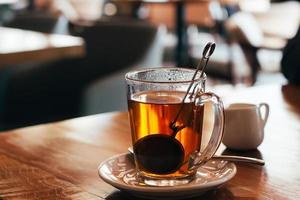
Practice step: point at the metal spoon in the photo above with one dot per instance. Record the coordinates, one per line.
(207, 52)
(244, 159)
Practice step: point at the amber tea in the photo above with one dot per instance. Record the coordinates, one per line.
(157, 149)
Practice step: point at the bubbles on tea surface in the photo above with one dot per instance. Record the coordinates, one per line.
(159, 153)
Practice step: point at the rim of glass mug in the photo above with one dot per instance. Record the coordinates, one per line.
(130, 76)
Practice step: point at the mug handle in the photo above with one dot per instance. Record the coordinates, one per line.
(217, 134)
(265, 117)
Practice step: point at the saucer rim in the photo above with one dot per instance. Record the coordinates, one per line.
(156, 189)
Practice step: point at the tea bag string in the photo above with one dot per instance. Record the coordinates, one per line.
(207, 52)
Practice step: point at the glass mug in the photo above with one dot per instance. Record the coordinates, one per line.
(167, 132)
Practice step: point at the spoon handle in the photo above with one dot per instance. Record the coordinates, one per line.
(244, 159)
(240, 159)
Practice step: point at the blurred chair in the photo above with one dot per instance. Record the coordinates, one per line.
(113, 44)
(281, 20)
(249, 41)
(244, 29)
(228, 61)
(263, 35)
(38, 93)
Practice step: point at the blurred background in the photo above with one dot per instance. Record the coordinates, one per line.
(61, 59)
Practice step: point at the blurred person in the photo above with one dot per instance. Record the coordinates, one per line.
(290, 63)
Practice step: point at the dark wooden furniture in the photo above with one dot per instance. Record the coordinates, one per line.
(33, 85)
(35, 92)
(60, 160)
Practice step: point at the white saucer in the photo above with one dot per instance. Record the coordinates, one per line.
(119, 171)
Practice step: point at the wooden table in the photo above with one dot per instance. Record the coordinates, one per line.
(21, 46)
(60, 160)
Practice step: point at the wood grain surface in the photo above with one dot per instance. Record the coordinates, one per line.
(60, 160)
